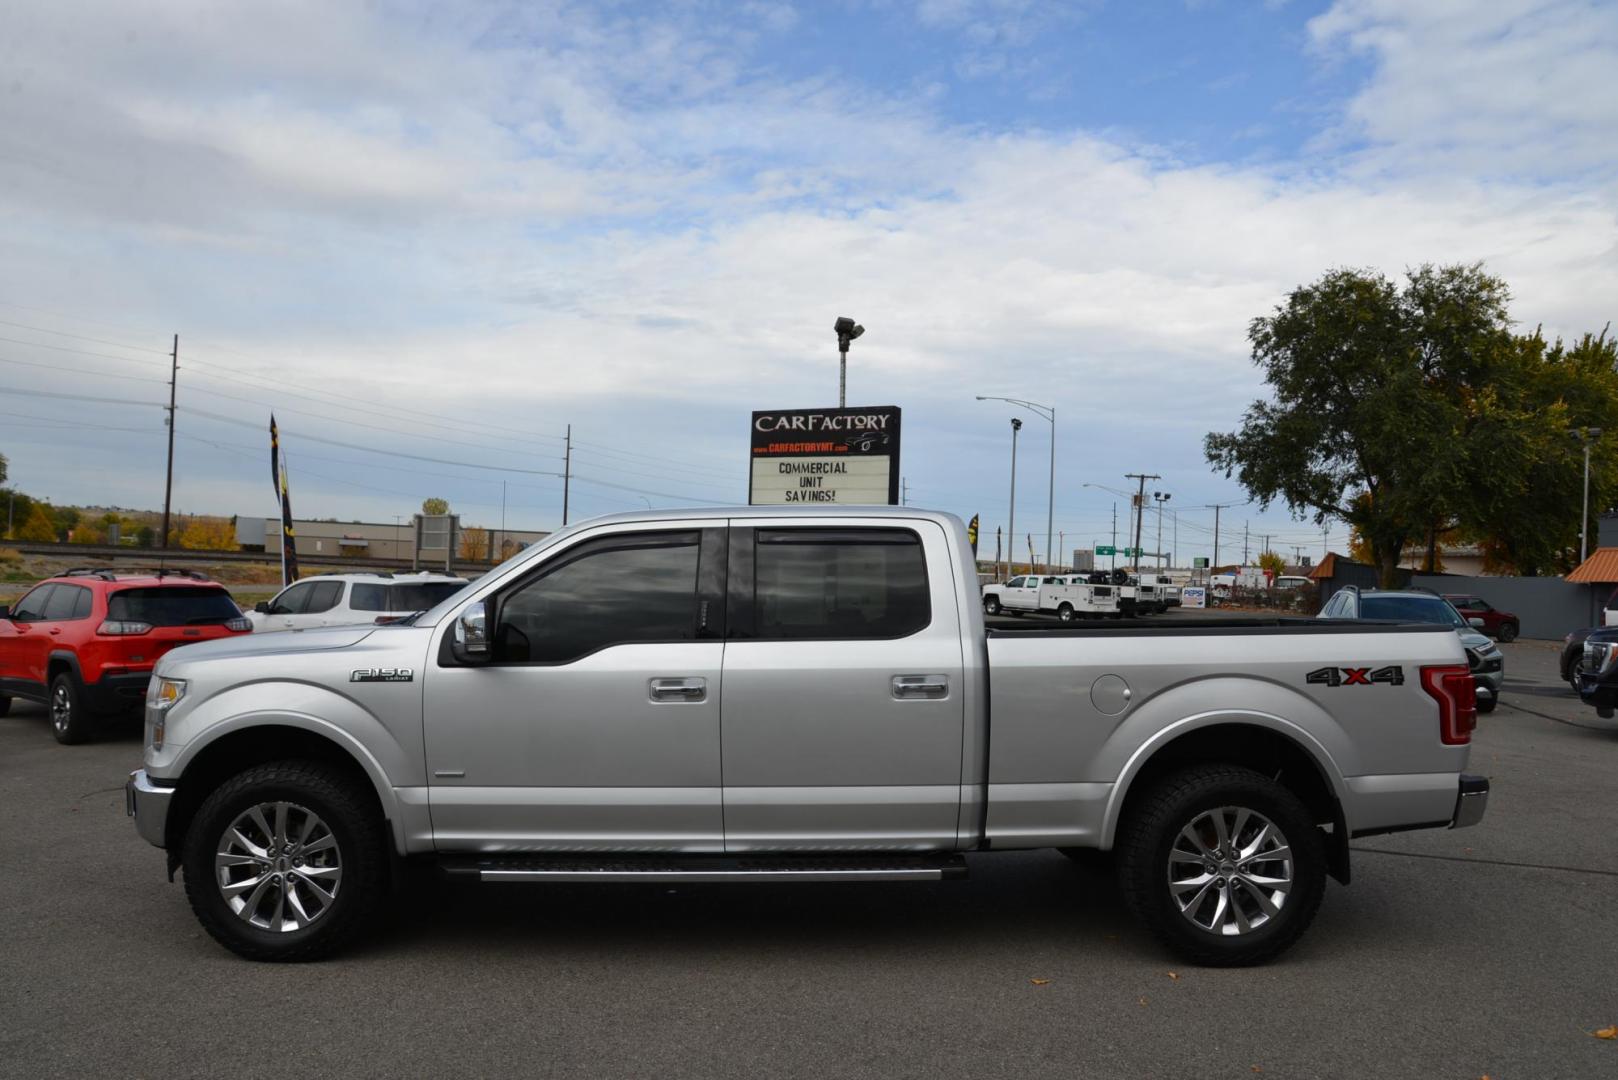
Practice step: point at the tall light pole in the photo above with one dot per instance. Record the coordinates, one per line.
(847, 330)
(1011, 524)
(1160, 497)
(1047, 413)
(1586, 436)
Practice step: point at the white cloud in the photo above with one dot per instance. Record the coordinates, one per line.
(1525, 88)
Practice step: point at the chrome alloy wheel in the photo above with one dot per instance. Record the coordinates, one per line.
(278, 867)
(61, 707)
(1230, 870)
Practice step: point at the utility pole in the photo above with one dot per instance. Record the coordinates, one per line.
(1114, 565)
(1586, 436)
(1061, 546)
(567, 472)
(168, 483)
(502, 544)
(1244, 543)
(1216, 507)
(1140, 508)
(904, 492)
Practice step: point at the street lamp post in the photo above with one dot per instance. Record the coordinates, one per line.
(1586, 436)
(847, 330)
(1011, 523)
(1160, 497)
(1048, 414)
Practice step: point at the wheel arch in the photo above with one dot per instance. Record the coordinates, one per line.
(1267, 744)
(61, 660)
(230, 752)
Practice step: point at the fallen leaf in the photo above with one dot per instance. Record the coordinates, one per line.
(1608, 1032)
(1174, 974)
(1257, 1069)
(1142, 1001)
(1040, 982)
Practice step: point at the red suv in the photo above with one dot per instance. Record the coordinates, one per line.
(85, 642)
(1496, 623)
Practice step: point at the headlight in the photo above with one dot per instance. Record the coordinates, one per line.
(1599, 656)
(163, 693)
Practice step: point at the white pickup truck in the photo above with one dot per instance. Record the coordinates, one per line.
(761, 694)
(1066, 597)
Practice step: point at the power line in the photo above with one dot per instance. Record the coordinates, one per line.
(82, 337)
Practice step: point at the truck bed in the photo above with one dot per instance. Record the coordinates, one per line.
(1212, 625)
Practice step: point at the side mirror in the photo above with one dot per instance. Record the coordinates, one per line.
(262, 607)
(1478, 623)
(469, 639)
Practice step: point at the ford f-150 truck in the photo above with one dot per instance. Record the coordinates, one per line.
(765, 695)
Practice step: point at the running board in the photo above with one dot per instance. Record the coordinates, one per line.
(704, 869)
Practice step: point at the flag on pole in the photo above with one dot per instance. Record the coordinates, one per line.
(278, 476)
(972, 535)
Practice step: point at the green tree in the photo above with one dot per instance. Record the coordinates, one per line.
(435, 506)
(1376, 390)
(39, 528)
(1273, 563)
(2, 468)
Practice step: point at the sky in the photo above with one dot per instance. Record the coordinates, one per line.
(432, 237)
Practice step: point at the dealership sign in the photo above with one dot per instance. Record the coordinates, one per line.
(803, 456)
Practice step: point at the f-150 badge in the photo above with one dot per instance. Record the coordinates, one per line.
(1356, 676)
(382, 674)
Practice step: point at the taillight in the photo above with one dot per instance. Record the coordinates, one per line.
(241, 626)
(1452, 687)
(123, 627)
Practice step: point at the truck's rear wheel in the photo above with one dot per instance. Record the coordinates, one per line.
(991, 606)
(1066, 612)
(70, 721)
(1223, 865)
(285, 861)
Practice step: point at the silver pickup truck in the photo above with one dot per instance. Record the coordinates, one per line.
(766, 695)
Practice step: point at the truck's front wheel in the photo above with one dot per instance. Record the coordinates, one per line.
(1222, 864)
(286, 861)
(991, 605)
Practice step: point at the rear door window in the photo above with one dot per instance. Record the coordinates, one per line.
(60, 606)
(368, 596)
(323, 596)
(173, 605)
(840, 584)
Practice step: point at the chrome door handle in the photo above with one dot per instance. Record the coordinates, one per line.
(679, 689)
(920, 686)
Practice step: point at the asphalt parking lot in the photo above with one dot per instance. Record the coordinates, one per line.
(1489, 951)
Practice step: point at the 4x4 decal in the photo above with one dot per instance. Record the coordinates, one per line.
(1393, 675)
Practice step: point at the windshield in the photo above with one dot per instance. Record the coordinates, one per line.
(174, 605)
(421, 597)
(1423, 609)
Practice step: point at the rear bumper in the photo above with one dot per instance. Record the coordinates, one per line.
(1471, 801)
(118, 693)
(148, 804)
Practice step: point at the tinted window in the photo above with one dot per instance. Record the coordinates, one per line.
(1014, 583)
(81, 610)
(365, 596)
(323, 596)
(59, 607)
(616, 591)
(31, 608)
(840, 583)
(292, 600)
(421, 596)
(173, 605)
(1421, 609)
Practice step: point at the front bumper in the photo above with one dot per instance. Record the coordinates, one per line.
(1471, 801)
(148, 804)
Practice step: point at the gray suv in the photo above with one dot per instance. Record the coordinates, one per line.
(1415, 605)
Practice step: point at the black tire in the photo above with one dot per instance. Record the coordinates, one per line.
(70, 721)
(991, 605)
(1486, 705)
(1147, 837)
(1066, 612)
(1508, 632)
(350, 814)
(5, 705)
(1574, 670)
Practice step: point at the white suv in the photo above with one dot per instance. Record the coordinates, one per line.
(347, 599)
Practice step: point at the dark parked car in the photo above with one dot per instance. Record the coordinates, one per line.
(1496, 623)
(1598, 670)
(1573, 655)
